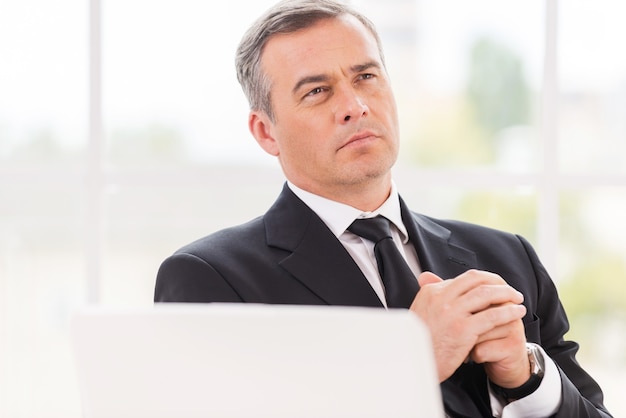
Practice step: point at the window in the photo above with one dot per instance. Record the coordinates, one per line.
(123, 136)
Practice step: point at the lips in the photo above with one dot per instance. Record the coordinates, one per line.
(359, 136)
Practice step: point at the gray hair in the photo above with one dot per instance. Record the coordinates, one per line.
(287, 16)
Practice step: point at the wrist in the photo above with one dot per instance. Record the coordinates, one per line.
(531, 385)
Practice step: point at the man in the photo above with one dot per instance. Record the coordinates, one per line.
(321, 102)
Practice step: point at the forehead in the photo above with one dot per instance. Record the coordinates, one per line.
(326, 45)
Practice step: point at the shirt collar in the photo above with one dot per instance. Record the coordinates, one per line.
(338, 216)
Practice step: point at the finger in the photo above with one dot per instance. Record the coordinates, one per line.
(501, 332)
(498, 350)
(501, 354)
(471, 279)
(427, 278)
(491, 318)
(486, 296)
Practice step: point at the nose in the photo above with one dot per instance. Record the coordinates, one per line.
(351, 106)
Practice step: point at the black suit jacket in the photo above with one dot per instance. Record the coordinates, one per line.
(289, 256)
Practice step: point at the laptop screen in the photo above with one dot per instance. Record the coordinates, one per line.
(246, 360)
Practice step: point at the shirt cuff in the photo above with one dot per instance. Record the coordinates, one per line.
(543, 402)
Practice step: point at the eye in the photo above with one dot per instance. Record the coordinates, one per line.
(366, 76)
(315, 91)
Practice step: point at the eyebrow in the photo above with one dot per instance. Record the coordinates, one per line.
(364, 67)
(309, 80)
(322, 77)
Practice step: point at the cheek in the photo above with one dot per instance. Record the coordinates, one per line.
(303, 138)
(292, 147)
(301, 150)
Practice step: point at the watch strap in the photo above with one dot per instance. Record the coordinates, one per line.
(532, 384)
(513, 394)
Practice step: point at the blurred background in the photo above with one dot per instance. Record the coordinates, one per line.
(123, 137)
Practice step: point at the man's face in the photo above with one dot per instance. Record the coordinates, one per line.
(335, 125)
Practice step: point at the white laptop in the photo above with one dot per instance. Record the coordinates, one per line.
(243, 360)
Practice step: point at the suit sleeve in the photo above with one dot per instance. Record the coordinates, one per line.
(581, 395)
(184, 277)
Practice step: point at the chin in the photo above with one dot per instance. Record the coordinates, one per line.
(364, 175)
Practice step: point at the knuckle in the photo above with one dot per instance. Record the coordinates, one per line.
(493, 315)
(479, 353)
(484, 292)
(458, 328)
(472, 274)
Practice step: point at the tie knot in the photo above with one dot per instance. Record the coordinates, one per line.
(373, 229)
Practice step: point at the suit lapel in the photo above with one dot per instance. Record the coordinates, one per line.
(318, 260)
(434, 250)
(316, 257)
(465, 391)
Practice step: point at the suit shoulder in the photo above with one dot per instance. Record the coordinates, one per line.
(458, 225)
(474, 234)
(226, 240)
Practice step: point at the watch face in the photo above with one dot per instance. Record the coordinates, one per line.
(536, 360)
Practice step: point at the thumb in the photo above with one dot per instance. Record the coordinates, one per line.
(428, 278)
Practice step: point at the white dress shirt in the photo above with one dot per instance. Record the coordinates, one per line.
(544, 402)
(338, 217)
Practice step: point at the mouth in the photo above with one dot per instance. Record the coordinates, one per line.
(359, 138)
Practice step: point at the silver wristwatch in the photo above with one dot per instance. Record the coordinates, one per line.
(537, 363)
(537, 369)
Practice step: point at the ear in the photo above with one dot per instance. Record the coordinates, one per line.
(261, 128)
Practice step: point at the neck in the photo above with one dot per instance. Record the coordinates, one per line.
(367, 196)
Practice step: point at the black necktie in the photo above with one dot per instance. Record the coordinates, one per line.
(400, 283)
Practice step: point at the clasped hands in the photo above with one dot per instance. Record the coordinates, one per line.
(476, 316)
